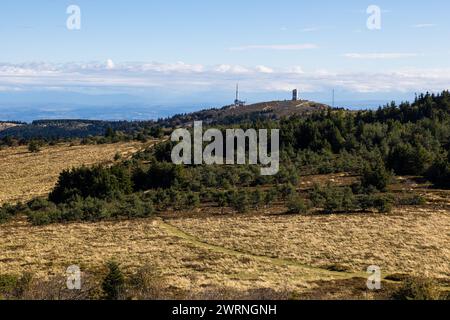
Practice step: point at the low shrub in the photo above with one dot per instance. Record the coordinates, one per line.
(13, 286)
(412, 200)
(39, 204)
(375, 176)
(34, 146)
(333, 199)
(40, 218)
(8, 284)
(286, 190)
(89, 209)
(270, 196)
(256, 199)
(133, 207)
(439, 173)
(42, 212)
(221, 198)
(6, 213)
(381, 202)
(192, 200)
(239, 201)
(296, 205)
(417, 289)
(146, 284)
(342, 199)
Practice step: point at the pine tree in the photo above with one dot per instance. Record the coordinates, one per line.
(114, 281)
(34, 146)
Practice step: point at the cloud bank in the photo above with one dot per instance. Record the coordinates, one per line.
(181, 77)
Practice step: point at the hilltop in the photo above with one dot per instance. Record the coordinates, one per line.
(268, 110)
(6, 125)
(279, 108)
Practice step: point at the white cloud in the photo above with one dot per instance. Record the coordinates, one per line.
(110, 64)
(424, 25)
(226, 68)
(296, 70)
(168, 67)
(304, 46)
(374, 56)
(264, 69)
(191, 78)
(288, 86)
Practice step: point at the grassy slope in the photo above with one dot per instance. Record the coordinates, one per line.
(25, 175)
(204, 250)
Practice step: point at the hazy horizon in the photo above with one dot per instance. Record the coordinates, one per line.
(77, 59)
(34, 106)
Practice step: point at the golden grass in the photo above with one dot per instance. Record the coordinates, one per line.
(284, 253)
(411, 240)
(25, 175)
(49, 250)
(201, 250)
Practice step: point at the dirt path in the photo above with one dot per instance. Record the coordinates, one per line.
(176, 232)
(337, 275)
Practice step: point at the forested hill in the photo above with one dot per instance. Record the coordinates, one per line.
(66, 129)
(425, 106)
(433, 106)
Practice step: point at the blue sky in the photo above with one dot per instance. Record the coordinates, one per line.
(196, 50)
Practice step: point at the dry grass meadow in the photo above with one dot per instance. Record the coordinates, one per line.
(285, 253)
(315, 256)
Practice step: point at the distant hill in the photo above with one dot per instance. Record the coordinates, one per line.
(6, 125)
(50, 129)
(232, 114)
(62, 129)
